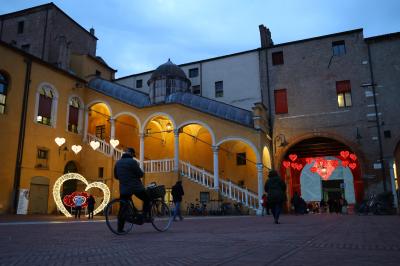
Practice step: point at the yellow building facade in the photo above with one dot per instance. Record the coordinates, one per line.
(217, 156)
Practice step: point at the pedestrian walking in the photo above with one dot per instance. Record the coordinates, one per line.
(265, 210)
(91, 203)
(296, 203)
(78, 206)
(276, 195)
(177, 194)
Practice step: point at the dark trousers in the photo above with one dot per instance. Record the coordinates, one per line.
(128, 197)
(177, 210)
(78, 212)
(276, 209)
(90, 211)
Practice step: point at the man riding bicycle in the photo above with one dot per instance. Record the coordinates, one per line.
(128, 172)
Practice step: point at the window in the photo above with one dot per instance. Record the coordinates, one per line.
(241, 158)
(21, 27)
(204, 197)
(3, 93)
(219, 89)
(196, 90)
(281, 105)
(338, 48)
(277, 58)
(387, 134)
(98, 73)
(101, 172)
(193, 72)
(42, 157)
(101, 131)
(73, 114)
(139, 83)
(45, 106)
(343, 90)
(26, 47)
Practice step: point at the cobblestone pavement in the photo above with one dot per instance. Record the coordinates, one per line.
(299, 240)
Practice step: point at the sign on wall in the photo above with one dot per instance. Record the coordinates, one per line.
(23, 200)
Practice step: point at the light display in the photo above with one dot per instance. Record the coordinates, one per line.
(59, 141)
(114, 143)
(94, 144)
(76, 148)
(71, 176)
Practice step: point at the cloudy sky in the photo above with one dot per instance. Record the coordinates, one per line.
(137, 36)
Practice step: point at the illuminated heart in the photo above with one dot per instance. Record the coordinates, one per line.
(353, 166)
(314, 169)
(59, 141)
(344, 154)
(309, 160)
(76, 148)
(95, 144)
(299, 166)
(293, 165)
(334, 163)
(326, 171)
(353, 157)
(293, 157)
(345, 163)
(114, 142)
(74, 176)
(286, 164)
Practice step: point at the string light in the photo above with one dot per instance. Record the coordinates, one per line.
(74, 176)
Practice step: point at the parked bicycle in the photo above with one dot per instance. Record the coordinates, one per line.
(160, 214)
(377, 204)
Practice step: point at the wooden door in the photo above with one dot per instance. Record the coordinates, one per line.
(38, 198)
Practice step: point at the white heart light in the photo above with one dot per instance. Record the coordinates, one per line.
(114, 142)
(76, 148)
(70, 176)
(95, 144)
(59, 141)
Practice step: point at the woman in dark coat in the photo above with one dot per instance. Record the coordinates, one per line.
(177, 193)
(90, 207)
(276, 193)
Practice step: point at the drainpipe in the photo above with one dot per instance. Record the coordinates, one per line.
(378, 124)
(21, 136)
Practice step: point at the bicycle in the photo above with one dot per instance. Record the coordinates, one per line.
(160, 214)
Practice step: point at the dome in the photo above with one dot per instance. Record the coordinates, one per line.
(168, 70)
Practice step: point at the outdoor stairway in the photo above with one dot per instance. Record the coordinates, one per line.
(197, 175)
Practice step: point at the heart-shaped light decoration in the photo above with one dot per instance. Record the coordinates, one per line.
(76, 148)
(293, 157)
(114, 142)
(286, 164)
(59, 141)
(353, 157)
(352, 166)
(94, 144)
(344, 154)
(345, 163)
(74, 176)
(309, 160)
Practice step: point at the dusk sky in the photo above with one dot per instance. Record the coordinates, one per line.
(137, 36)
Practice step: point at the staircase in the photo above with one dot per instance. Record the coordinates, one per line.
(197, 175)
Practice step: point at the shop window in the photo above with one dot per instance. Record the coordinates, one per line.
(204, 197)
(21, 26)
(46, 106)
(3, 93)
(387, 134)
(241, 158)
(101, 131)
(42, 158)
(277, 58)
(338, 48)
(193, 72)
(196, 90)
(73, 114)
(343, 90)
(281, 104)
(219, 89)
(139, 83)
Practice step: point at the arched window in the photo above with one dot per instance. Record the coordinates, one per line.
(3, 93)
(73, 114)
(46, 105)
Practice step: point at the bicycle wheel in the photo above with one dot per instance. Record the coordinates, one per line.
(160, 216)
(119, 208)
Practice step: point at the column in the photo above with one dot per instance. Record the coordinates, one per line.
(176, 150)
(216, 167)
(112, 134)
(141, 135)
(86, 125)
(260, 186)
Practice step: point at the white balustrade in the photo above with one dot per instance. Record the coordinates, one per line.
(197, 175)
(104, 146)
(158, 166)
(239, 194)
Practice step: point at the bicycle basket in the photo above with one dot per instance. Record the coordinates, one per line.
(156, 192)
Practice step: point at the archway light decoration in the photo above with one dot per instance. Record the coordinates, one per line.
(74, 176)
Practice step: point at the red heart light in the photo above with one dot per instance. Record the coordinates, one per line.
(309, 160)
(345, 163)
(286, 164)
(293, 165)
(353, 166)
(299, 166)
(353, 157)
(293, 157)
(344, 154)
(313, 169)
(334, 163)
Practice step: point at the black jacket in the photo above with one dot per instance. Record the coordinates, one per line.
(276, 190)
(128, 172)
(177, 192)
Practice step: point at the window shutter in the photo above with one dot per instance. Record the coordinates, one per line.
(45, 106)
(73, 115)
(281, 106)
(343, 86)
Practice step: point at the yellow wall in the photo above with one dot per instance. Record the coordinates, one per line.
(85, 67)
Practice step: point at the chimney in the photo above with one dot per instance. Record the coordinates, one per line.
(265, 36)
(91, 31)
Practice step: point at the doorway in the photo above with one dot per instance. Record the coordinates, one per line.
(39, 195)
(333, 189)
